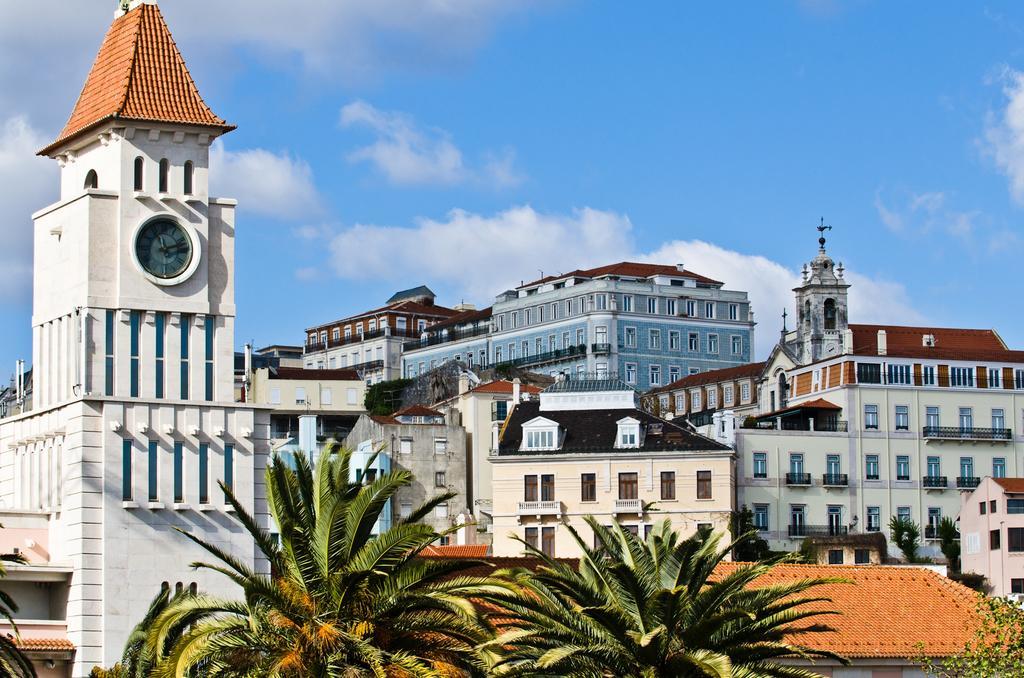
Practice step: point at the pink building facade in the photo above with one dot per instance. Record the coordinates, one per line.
(992, 534)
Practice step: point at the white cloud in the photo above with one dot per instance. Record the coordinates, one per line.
(27, 184)
(919, 213)
(1004, 133)
(478, 256)
(407, 154)
(271, 184)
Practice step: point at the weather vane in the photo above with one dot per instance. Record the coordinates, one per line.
(821, 230)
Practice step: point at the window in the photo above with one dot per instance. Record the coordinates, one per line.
(655, 375)
(736, 344)
(405, 446)
(902, 467)
(874, 519)
(108, 366)
(712, 343)
(630, 373)
(92, 180)
(934, 467)
(712, 398)
(581, 337)
(602, 301)
(796, 463)
(547, 487)
(902, 418)
(161, 328)
(993, 540)
(588, 487)
(441, 510)
(992, 506)
(1015, 506)
(440, 445)
(998, 419)
(760, 464)
(300, 395)
(140, 166)
(440, 479)
(899, 374)
(693, 342)
(709, 309)
(871, 467)
(966, 420)
(628, 486)
(629, 337)
(153, 463)
(695, 401)
(540, 440)
(673, 374)
(995, 377)
(1015, 539)
(670, 307)
(405, 509)
(530, 537)
(179, 463)
(135, 328)
(654, 338)
(1017, 586)
(727, 396)
(931, 417)
(208, 331)
(928, 375)
(126, 470)
(835, 556)
(627, 303)
(761, 517)
(869, 373)
(668, 485)
(871, 417)
(229, 468)
(734, 311)
(703, 484)
(961, 376)
(744, 392)
(966, 467)
(981, 507)
(903, 513)
(204, 473)
(1018, 379)
(861, 557)
(691, 308)
(627, 438)
(188, 177)
(999, 467)
(652, 305)
(547, 541)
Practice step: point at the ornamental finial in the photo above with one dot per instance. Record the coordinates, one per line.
(821, 233)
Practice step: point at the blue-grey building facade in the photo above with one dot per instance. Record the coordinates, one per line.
(648, 324)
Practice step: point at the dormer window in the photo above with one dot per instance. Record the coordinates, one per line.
(540, 440)
(540, 434)
(628, 435)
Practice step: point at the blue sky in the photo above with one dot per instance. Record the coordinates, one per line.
(470, 145)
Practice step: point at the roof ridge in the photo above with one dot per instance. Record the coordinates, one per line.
(135, 58)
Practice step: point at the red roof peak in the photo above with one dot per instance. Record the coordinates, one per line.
(139, 75)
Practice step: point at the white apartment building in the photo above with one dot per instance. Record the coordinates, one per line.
(133, 420)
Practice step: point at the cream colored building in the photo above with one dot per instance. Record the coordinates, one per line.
(583, 447)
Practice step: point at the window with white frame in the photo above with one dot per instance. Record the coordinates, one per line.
(761, 517)
(655, 375)
(1018, 379)
(995, 377)
(712, 343)
(405, 446)
(629, 337)
(727, 395)
(540, 440)
(440, 445)
(673, 341)
(736, 344)
(871, 417)
(630, 373)
(680, 402)
(627, 303)
(628, 434)
(601, 301)
(673, 373)
(691, 308)
(693, 342)
(902, 418)
(654, 336)
(300, 395)
(695, 401)
(652, 305)
(670, 307)
(712, 398)
(928, 375)
(899, 374)
(745, 392)
(961, 376)
(734, 311)
(709, 309)
(326, 397)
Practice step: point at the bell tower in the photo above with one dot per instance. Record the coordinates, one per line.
(821, 304)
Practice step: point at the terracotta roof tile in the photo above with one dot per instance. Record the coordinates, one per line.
(950, 343)
(417, 411)
(1011, 485)
(138, 74)
(44, 644)
(456, 551)
(816, 404)
(628, 269)
(714, 377)
(414, 307)
(505, 386)
(301, 374)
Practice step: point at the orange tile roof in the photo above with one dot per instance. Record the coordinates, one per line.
(417, 411)
(714, 377)
(628, 269)
(504, 386)
(950, 343)
(456, 551)
(886, 611)
(1011, 485)
(816, 404)
(43, 644)
(138, 74)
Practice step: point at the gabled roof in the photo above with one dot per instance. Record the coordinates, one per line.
(456, 551)
(417, 411)
(1011, 485)
(625, 269)
(505, 387)
(748, 371)
(138, 75)
(950, 343)
(816, 404)
(596, 431)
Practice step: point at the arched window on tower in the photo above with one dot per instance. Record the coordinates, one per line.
(92, 180)
(830, 314)
(165, 171)
(140, 166)
(807, 312)
(783, 390)
(189, 173)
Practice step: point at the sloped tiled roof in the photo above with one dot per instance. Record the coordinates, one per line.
(626, 269)
(407, 306)
(950, 343)
(504, 386)
(714, 377)
(456, 551)
(816, 404)
(417, 411)
(1011, 485)
(44, 644)
(139, 74)
(300, 374)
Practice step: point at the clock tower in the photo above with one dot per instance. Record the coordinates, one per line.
(134, 420)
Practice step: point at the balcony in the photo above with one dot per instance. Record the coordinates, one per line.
(798, 531)
(835, 480)
(539, 508)
(367, 366)
(548, 357)
(779, 424)
(931, 532)
(967, 433)
(798, 478)
(600, 349)
(629, 506)
(935, 482)
(967, 482)
(313, 347)
(445, 337)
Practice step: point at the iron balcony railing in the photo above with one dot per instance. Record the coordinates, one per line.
(935, 482)
(601, 349)
(818, 530)
(966, 433)
(549, 356)
(367, 366)
(798, 478)
(838, 426)
(967, 482)
(835, 480)
(445, 337)
(931, 532)
(312, 347)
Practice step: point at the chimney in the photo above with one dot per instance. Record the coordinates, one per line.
(680, 268)
(516, 391)
(882, 349)
(848, 341)
(463, 383)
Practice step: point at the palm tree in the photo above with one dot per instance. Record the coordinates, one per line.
(949, 542)
(12, 661)
(647, 609)
(340, 599)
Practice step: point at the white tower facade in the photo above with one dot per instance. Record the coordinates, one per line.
(133, 421)
(821, 304)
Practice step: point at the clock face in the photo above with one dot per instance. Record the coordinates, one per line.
(163, 248)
